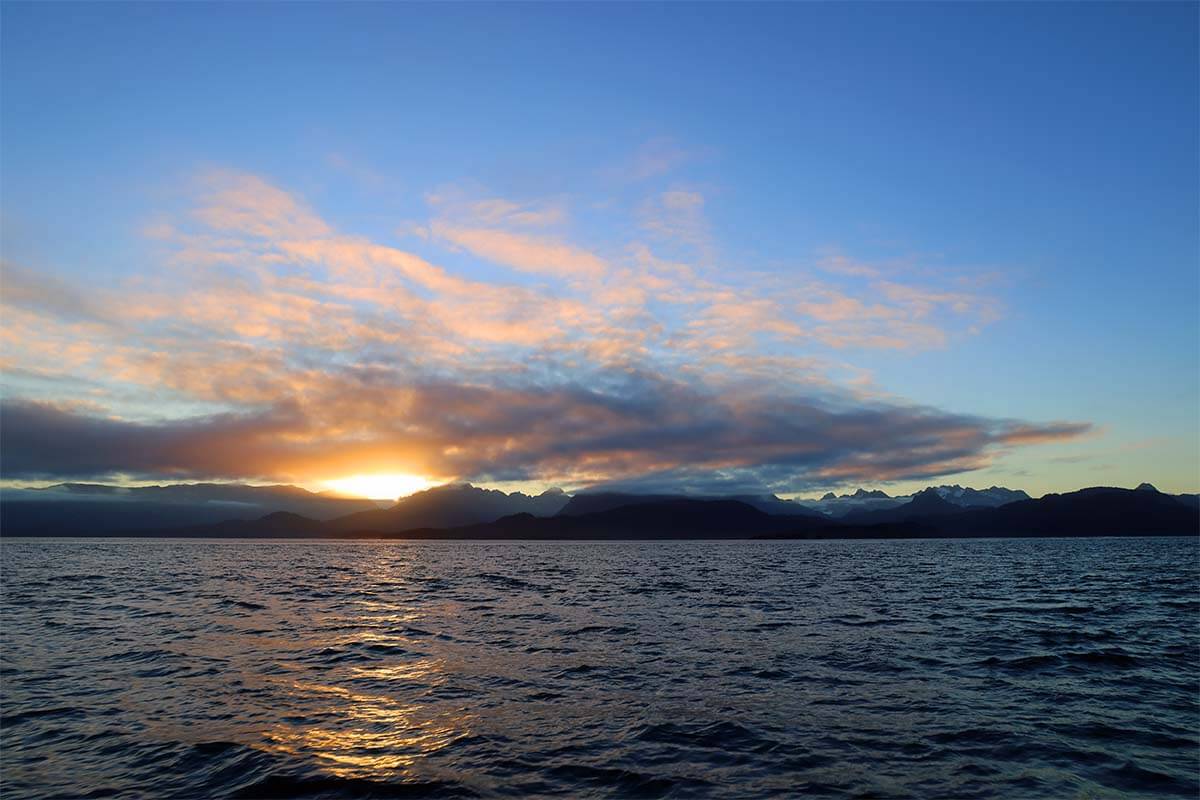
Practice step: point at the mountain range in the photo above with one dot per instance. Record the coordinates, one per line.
(466, 511)
(878, 500)
(71, 509)
(77, 509)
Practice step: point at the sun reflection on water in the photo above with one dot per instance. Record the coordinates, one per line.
(368, 735)
(427, 670)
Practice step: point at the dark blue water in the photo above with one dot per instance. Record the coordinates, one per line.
(957, 669)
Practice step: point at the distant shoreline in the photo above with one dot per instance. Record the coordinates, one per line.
(404, 537)
(470, 514)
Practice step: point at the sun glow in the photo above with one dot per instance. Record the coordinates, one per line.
(379, 487)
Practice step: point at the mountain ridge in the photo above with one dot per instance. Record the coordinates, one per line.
(462, 506)
(81, 508)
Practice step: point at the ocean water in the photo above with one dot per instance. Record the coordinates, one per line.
(953, 668)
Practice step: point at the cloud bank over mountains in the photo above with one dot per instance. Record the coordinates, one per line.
(267, 344)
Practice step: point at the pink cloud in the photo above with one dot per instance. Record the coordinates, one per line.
(539, 255)
(239, 203)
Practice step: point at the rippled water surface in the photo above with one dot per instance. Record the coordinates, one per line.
(995, 668)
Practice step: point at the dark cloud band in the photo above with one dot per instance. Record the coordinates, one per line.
(641, 428)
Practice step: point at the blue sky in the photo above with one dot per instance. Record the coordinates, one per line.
(983, 216)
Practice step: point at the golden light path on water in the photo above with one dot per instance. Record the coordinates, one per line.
(363, 734)
(370, 735)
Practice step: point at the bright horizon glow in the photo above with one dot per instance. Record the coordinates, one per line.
(390, 486)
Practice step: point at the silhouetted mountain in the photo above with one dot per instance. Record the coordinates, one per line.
(771, 504)
(1189, 500)
(73, 509)
(280, 524)
(1088, 512)
(593, 502)
(450, 506)
(672, 518)
(1098, 511)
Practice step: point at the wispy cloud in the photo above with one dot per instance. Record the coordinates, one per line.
(537, 254)
(656, 157)
(677, 216)
(463, 207)
(39, 291)
(357, 170)
(839, 264)
(238, 203)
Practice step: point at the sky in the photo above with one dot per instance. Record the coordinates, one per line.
(723, 248)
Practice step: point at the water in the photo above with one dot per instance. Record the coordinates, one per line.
(993, 668)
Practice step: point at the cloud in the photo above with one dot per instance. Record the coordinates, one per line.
(469, 205)
(236, 202)
(841, 265)
(272, 345)
(678, 216)
(615, 427)
(656, 157)
(497, 211)
(42, 440)
(1020, 433)
(540, 255)
(357, 171)
(47, 293)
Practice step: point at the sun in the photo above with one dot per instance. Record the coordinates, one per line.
(380, 486)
